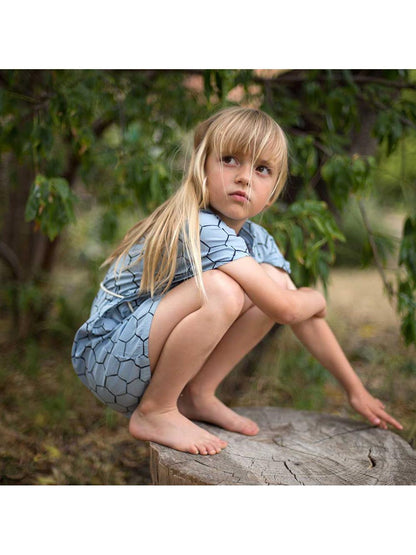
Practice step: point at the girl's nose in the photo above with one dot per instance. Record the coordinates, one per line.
(243, 175)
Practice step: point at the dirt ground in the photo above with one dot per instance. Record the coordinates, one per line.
(358, 297)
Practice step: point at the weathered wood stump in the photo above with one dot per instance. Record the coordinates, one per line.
(292, 448)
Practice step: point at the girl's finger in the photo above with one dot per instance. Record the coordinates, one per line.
(385, 416)
(372, 417)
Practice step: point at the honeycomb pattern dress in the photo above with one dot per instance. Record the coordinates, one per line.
(110, 353)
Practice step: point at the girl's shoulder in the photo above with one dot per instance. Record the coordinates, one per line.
(263, 246)
(209, 218)
(256, 231)
(218, 241)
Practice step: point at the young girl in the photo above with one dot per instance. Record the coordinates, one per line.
(195, 286)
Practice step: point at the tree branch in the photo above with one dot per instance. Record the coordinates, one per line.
(10, 257)
(298, 76)
(317, 144)
(373, 245)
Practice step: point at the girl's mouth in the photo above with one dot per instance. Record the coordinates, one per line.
(240, 196)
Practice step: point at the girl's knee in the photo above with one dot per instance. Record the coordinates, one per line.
(225, 291)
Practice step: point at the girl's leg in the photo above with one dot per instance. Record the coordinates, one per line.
(182, 336)
(198, 400)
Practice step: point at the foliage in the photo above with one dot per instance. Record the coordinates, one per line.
(407, 280)
(356, 251)
(347, 175)
(306, 231)
(395, 175)
(121, 139)
(50, 205)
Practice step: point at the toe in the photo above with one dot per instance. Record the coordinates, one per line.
(251, 428)
(214, 449)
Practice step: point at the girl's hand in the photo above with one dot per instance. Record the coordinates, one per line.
(321, 313)
(373, 409)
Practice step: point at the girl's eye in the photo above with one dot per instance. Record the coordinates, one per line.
(229, 160)
(264, 170)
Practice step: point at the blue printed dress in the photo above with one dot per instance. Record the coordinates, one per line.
(110, 353)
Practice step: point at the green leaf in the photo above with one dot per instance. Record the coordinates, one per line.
(50, 205)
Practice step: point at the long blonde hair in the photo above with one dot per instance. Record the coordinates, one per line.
(229, 131)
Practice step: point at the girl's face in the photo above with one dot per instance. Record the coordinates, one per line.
(237, 190)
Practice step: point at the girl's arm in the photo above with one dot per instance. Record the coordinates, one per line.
(303, 309)
(317, 337)
(281, 305)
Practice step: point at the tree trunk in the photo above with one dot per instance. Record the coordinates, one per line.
(292, 448)
(26, 255)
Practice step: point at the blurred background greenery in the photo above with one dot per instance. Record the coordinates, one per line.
(85, 154)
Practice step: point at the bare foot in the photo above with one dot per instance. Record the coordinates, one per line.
(211, 409)
(174, 430)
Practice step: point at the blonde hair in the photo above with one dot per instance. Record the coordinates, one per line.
(229, 131)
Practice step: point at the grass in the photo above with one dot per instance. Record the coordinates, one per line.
(53, 431)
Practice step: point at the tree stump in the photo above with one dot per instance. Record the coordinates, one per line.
(292, 448)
